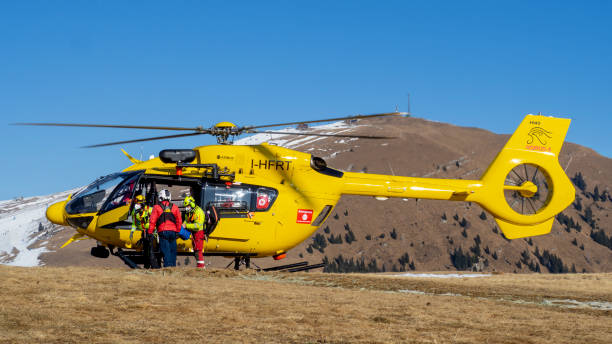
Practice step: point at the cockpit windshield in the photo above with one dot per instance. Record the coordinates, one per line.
(92, 198)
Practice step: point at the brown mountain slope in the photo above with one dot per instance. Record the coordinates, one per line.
(427, 234)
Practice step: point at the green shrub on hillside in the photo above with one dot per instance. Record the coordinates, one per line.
(340, 264)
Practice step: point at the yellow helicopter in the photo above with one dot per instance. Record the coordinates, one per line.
(271, 198)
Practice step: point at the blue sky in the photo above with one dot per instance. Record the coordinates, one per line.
(188, 63)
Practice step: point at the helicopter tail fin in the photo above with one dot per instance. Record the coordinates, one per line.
(525, 186)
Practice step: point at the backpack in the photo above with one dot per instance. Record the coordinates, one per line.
(166, 215)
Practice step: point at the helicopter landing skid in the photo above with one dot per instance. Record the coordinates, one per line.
(295, 267)
(124, 258)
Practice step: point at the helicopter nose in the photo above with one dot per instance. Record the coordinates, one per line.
(55, 213)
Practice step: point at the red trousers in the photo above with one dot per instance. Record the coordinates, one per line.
(197, 240)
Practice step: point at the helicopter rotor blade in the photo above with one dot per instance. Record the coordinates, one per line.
(142, 140)
(220, 132)
(111, 126)
(325, 120)
(327, 135)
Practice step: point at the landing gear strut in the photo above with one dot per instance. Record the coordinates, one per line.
(240, 261)
(246, 261)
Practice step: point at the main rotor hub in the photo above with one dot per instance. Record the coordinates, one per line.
(223, 131)
(225, 125)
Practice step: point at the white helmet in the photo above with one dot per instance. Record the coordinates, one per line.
(164, 195)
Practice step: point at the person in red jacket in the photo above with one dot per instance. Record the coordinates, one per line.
(166, 218)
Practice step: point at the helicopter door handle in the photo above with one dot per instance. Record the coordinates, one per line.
(257, 223)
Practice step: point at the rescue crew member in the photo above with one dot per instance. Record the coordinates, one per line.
(194, 222)
(166, 217)
(141, 215)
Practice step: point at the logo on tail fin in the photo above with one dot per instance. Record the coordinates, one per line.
(540, 134)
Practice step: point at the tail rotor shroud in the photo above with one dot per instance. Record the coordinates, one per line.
(528, 178)
(527, 189)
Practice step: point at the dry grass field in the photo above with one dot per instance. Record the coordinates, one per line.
(82, 305)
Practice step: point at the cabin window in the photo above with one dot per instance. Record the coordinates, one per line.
(264, 198)
(238, 199)
(228, 199)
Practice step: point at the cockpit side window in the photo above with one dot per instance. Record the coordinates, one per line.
(122, 195)
(91, 199)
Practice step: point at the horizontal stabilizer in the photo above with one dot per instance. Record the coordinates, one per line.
(74, 238)
(514, 231)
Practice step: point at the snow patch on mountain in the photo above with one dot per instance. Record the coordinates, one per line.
(22, 224)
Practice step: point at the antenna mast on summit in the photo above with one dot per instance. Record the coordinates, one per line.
(409, 113)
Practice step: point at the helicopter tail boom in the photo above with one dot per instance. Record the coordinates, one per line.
(523, 188)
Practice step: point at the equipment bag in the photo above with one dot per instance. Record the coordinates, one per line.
(184, 233)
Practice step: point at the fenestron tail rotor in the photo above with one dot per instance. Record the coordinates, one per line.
(526, 189)
(525, 186)
(223, 131)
